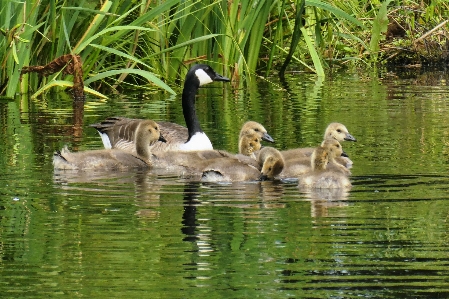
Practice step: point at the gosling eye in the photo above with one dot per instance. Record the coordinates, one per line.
(339, 130)
(256, 129)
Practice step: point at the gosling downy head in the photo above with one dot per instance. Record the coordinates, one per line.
(249, 144)
(327, 152)
(272, 163)
(147, 134)
(333, 147)
(327, 157)
(326, 174)
(338, 132)
(320, 158)
(252, 127)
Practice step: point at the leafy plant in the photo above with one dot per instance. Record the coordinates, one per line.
(125, 43)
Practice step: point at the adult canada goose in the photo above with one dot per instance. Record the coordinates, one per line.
(335, 131)
(117, 132)
(325, 172)
(146, 134)
(232, 170)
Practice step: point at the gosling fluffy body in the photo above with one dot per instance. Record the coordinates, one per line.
(146, 135)
(325, 172)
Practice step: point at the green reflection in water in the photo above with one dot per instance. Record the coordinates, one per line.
(140, 235)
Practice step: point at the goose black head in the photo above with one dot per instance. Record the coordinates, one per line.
(204, 74)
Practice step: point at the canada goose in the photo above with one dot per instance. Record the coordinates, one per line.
(325, 172)
(335, 131)
(146, 134)
(253, 127)
(301, 165)
(195, 161)
(250, 137)
(295, 167)
(254, 130)
(117, 132)
(232, 170)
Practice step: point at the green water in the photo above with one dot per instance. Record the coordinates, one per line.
(140, 235)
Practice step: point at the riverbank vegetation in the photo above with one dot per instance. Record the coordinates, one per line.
(125, 44)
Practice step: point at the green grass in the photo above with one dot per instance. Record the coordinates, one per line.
(151, 43)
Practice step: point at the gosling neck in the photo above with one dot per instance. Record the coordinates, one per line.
(143, 147)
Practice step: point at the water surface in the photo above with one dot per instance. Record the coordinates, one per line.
(141, 235)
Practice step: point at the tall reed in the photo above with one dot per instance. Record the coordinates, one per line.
(128, 43)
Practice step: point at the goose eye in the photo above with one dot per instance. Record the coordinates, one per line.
(339, 130)
(257, 130)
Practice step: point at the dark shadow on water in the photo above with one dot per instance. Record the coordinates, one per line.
(189, 223)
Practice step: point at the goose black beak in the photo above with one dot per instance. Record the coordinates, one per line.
(162, 139)
(219, 77)
(349, 137)
(267, 137)
(344, 155)
(263, 177)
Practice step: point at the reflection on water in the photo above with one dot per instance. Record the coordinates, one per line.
(142, 234)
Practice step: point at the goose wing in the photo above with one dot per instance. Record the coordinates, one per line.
(118, 132)
(174, 134)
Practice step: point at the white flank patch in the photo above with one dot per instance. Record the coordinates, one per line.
(198, 142)
(203, 77)
(106, 141)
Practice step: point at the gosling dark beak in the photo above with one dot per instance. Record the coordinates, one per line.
(349, 137)
(344, 155)
(219, 77)
(162, 139)
(263, 177)
(267, 137)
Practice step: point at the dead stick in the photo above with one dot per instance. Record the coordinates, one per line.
(430, 32)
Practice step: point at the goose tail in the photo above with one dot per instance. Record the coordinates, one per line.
(61, 162)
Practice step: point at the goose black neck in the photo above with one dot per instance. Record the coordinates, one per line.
(188, 107)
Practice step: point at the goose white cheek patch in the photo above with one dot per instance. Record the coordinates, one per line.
(203, 77)
(198, 142)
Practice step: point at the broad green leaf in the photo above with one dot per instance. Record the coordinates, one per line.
(195, 40)
(83, 45)
(313, 53)
(120, 53)
(147, 75)
(380, 25)
(335, 10)
(65, 84)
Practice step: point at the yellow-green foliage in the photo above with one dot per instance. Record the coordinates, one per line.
(152, 42)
